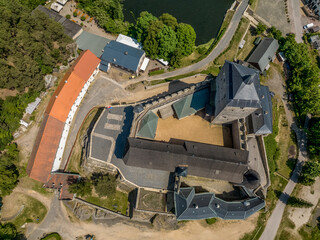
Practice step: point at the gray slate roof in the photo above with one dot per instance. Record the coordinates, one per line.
(263, 54)
(192, 206)
(203, 160)
(241, 86)
(192, 103)
(122, 55)
(70, 28)
(92, 42)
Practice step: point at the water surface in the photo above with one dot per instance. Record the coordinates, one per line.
(205, 16)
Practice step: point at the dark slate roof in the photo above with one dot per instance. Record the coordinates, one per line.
(92, 42)
(122, 55)
(236, 85)
(148, 126)
(192, 103)
(70, 28)
(207, 205)
(203, 160)
(264, 53)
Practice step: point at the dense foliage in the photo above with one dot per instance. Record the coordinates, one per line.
(108, 13)
(32, 4)
(81, 188)
(9, 173)
(164, 37)
(304, 81)
(8, 231)
(314, 137)
(260, 28)
(31, 45)
(105, 185)
(310, 171)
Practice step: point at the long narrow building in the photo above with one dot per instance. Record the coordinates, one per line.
(51, 139)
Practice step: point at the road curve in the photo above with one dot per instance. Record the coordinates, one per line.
(221, 46)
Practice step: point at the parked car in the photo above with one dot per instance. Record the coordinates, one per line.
(308, 26)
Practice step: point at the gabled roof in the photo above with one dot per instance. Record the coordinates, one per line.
(264, 53)
(207, 205)
(44, 149)
(148, 126)
(122, 55)
(92, 42)
(203, 160)
(192, 103)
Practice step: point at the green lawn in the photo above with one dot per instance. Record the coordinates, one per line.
(119, 203)
(29, 183)
(52, 236)
(34, 211)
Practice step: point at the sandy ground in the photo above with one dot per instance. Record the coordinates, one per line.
(301, 216)
(6, 92)
(193, 128)
(216, 186)
(231, 230)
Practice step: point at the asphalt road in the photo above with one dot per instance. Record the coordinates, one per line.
(54, 215)
(296, 17)
(102, 91)
(221, 46)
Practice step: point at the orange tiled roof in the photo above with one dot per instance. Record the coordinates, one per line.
(46, 149)
(47, 142)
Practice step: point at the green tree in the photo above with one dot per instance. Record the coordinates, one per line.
(8, 231)
(169, 20)
(105, 185)
(186, 38)
(82, 188)
(8, 178)
(298, 202)
(309, 172)
(151, 43)
(175, 60)
(167, 39)
(314, 137)
(277, 34)
(142, 24)
(260, 28)
(68, 16)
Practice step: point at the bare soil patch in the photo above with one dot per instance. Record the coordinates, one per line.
(152, 201)
(193, 128)
(6, 92)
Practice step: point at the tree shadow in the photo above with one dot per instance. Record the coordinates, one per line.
(291, 163)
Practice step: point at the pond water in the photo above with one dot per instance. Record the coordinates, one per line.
(205, 16)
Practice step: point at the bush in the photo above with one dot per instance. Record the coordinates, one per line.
(156, 72)
(75, 14)
(83, 18)
(81, 188)
(211, 221)
(68, 16)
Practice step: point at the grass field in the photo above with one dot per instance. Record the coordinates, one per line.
(74, 164)
(52, 236)
(248, 47)
(152, 201)
(29, 183)
(118, 203)
(33, 210)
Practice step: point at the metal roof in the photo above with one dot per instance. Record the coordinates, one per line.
(264, 53)
(148, 126)
(192, 103)
(122, 55)
(92, 42)
(207, 205)
(203, 160)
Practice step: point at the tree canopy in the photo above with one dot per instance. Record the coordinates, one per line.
(31, 45)
(162, 37)
(8, 231)
(108, 13)
(81, 188)
(105, 185)
(314, 137)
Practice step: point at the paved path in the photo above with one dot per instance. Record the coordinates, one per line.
(275, 219)
(221, 46)
(296, 17)
(102, 91)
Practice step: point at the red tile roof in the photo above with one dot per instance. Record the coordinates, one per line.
(47, 142)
